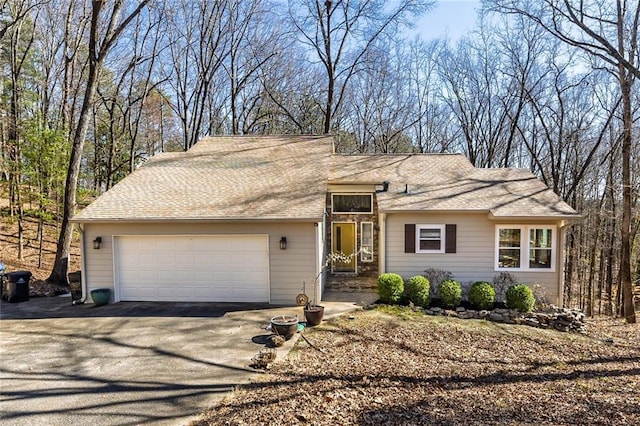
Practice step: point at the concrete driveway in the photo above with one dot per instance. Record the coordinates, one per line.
(128, 363)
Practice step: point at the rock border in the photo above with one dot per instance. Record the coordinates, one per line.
(560, 319)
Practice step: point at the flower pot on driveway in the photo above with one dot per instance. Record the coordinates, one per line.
(284, 325)
(313, 315)
(101, 296)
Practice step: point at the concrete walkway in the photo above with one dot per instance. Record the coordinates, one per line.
(129, 363)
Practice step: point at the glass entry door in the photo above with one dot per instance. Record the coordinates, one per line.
(343, 242)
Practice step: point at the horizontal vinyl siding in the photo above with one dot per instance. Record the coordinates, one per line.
(288, 268)
(474, 259)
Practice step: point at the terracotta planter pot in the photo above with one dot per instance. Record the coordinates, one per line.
(284, 325)
(314, 315)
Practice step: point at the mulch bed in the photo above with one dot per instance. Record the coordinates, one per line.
(380, 369)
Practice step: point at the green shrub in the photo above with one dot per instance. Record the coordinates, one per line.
(435, 277)
(449, 293)
(482, 295)
(520, 297)
(417, 290)
(390, 288)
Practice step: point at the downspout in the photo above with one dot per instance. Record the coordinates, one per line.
(321, 229)
(83, 267)
(382, 261)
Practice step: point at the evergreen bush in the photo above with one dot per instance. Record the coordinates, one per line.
(390, 288)
(482, 295)
(520, 297)
(449, 293)
(417, 290)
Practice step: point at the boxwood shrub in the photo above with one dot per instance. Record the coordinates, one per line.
(520, 297)
(417, 290)
(449, 293)
(390, 288)
(482, 295)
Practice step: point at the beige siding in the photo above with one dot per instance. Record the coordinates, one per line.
(288, 268)
(474, 259)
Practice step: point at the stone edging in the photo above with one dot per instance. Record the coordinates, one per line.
(561, 319)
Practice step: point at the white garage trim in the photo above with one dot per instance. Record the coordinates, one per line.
(192, 268)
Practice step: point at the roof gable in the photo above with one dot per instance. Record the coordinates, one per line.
(286, 178)
(449, 182)
(238, 177)
(502, 192)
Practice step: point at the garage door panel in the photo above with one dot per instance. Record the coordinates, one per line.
(138, 293)
(193, 268)
(183, 259)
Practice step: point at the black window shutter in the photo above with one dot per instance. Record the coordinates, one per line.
(450, 235)
(409, 238)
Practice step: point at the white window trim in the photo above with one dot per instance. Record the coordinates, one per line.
(524, 248)
(350, 193)
(443, 239)
(362, 254)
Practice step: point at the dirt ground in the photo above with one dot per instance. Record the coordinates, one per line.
(381, 369)
(38, 262)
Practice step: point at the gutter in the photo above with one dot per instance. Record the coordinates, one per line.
(197, 220)
(382, 236)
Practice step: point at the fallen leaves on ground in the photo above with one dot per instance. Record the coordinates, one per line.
(380, 369)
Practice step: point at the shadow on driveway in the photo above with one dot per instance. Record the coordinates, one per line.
(125, 363)
(61, 307)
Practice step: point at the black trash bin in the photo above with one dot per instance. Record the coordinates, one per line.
(18, 286)
(75, 282)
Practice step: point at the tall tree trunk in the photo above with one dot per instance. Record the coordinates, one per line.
(97, 54)
(328, 113)
(628, 310)
(59, 272)
(626, 82)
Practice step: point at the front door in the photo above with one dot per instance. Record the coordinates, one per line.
(344, 242)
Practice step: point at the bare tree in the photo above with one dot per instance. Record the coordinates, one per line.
(18, 50)
(379, 111)
(434, 129)
(341, 33)
(608, 32)
(198, 41)
(12, 13)
(478, 94)
(106, 27)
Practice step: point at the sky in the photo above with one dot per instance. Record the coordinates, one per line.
(452, 18)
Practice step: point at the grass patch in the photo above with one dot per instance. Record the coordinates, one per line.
(402, 312)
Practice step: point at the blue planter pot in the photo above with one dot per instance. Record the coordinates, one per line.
(101, 296)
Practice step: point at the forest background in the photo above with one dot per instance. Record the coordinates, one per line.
(90, 90)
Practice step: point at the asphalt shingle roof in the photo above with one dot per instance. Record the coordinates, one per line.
(286, 177)
(449, 182)
(238, 177)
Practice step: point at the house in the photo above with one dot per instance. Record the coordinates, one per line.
(252, 219)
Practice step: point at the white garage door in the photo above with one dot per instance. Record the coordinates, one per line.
(193, 268)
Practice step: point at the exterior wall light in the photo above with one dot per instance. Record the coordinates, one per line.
(283, 243)
(97, 242)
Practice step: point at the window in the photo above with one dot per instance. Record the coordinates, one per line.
(509, 247)
(540, 248)
(525, 247)
(352, 203)
(430, 238)
(366, 241)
